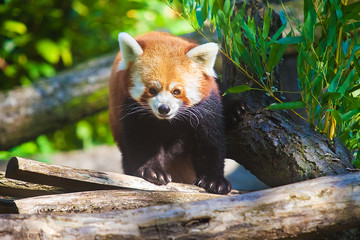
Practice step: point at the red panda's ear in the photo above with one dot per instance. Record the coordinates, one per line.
(130, 49)
(205, 55)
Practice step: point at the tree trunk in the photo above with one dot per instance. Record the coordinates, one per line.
(269, 143)
(302, 210)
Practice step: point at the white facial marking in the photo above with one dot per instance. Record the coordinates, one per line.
(165, 97)
(192, 86)
(172, 85)
(138, 89)
(157, 84)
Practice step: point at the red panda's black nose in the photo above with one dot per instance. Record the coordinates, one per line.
(164, 109)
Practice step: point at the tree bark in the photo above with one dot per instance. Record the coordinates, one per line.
(15, 188)
(269, 143)
(99, 201)
(300, 210)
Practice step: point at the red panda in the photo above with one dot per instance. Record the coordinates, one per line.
(165, 111)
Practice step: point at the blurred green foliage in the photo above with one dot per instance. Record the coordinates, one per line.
(38, 38)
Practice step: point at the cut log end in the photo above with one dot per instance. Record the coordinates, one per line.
(12, 168)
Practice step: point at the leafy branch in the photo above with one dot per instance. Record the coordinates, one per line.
(328, 58)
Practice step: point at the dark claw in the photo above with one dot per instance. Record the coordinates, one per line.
(214, 185)
(153, 175)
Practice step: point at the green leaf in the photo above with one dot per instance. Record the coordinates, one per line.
(204, 9)
(226, 8)
(47, 70)
(283, 17)
(351, 11)
(14, 26)
(238, 89)
(290, 40)
(351, 26)
(332, 30)
(286, 105)
(334, 83)
(347, 83)
(336, 115)
(48, 50)
(44, 144)
(199, 17)
(310, 21)
(338, 11)
(275, 55)
(266, 24)
(348, 115)
(278, 33)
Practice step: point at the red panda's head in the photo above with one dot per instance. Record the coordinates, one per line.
(167, 73)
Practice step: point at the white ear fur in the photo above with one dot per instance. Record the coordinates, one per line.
(130, 49)
(205, 55)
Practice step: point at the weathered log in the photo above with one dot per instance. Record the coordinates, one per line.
(269, 143)
(73, 179)
(298, 210)
(16, 188)
(98, 201)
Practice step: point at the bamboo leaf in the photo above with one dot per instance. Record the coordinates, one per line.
(334, 83)
(266, 24)
(290, 40)
(286, 105)
(338, 11)
(348, 115)
(336, 115)
(310, 21)
(226, 8)
(283, 17)
(351, 26)
(238, 89)
(278, 33)
(199, 17)
(275, 55)
(204, 4)
(347, 83)
(332, 30)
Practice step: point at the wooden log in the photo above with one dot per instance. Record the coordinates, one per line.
(73, 179)
(302, 209)
(98, 201)
(16, 188)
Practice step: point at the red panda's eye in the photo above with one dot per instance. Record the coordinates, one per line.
(152, 91)
(176, 91)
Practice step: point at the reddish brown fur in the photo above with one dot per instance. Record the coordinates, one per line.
(164, 60)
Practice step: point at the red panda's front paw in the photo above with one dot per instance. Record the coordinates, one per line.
(214, 185)
(156, 176)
